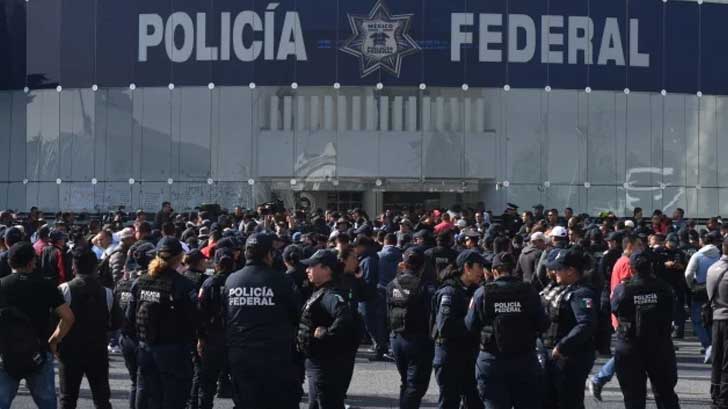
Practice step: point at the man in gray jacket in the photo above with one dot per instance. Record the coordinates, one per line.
(719, 375)
(530, 256)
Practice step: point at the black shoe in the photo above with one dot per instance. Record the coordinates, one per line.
(379, 358)
(595, 389)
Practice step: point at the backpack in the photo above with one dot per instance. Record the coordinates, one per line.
(21, 351)
(402, 301)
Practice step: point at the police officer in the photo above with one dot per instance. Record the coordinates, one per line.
(261, 312)
(162, 311)
(508, 315)
(408, 306)
(442, 255)
(211, 335)
(569, 339)
(195, 272)
(326, 334)
(455, 348)
(142, 255)
(644, 308)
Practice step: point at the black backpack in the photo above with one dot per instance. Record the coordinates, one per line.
(21, 351)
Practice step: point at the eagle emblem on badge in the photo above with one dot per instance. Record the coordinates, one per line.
(380, 40)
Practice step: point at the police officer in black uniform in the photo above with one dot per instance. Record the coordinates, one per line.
(261, 311)
(443, 254)
(455, 348)
(326, 334)
(163, 313)
(644, 308)
(211, 335)
(142, 255)
(508, 315)
(408, 305)
(195, 262)
(569, 339)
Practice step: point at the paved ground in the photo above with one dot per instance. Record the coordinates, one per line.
(376, 385)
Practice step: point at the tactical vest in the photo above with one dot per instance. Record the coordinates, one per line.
(196, 277)
(123, 296)
(90, 306)
(642, 320)
(508, 328)
(555, 299)
(157, 320)
(403, 297)
(216, 315)
(308, 323)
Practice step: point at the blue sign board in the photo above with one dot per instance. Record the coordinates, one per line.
(643, 45)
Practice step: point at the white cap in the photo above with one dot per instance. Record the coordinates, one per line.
(559, 231)
(462, 224)
(629, 223)
(538, 236)
(127, 233)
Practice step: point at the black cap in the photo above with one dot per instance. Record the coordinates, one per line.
(470, 232)
(560, 259)
(169, 245)
(641, 262)
(13, 235)
(470, 256)
(259, 241)
(414, 257)
(144, 253)
(503, 259)
(615, 236)
(293, 253)
(325, 257)
(57, 235)
(227, 242)
(195, 255)
(223, 253)
(538, 206)
(512, 206)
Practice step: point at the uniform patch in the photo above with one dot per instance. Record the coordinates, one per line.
(340, 298)
(587, 303)
(445, 300)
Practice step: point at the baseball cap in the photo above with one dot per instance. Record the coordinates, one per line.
(194, 256)
(503, 259)
(296, 238)
(56, 235)
(641, 261)
(615, 236)
(169, 245)
(559, 231)
(126, 233)
(324, 257)
(414, 257)
(629, 223)
(564, 258)
(470, 232)
(538, 236)
(470, 256)
(144, 253)
(261, 241)
(20, 254)
(223, 253)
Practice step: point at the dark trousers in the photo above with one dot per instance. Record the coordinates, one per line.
(374, 315)
(129, 352)
(413, 355)
(194, 401)
(719, 375)
(164, 377)
(506, 383)
(263, 379)
(92, 362)
(455, 375)
(565, 379)
(634, 364)
(212, 364)
(328, 381)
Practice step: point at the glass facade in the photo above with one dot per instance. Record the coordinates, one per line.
(593, 151)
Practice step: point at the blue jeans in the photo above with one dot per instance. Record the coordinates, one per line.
(702, 333)
(374, 314)
(606, 373)
(41, 385)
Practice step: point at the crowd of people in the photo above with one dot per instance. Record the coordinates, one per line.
(250, 303)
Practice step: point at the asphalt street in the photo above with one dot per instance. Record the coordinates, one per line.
(376, 385)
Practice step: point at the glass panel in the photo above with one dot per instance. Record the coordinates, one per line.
(524, 195)
(638, 150)
(692, 146)
(564, 141)
(43, 194)
(674, 141)
(77, 134)
(231, 194)
(674, 197)
(561, 197)
(6, 123)
(17, 197)
(722, 131)
(602, 145)
(525, 133)
(443, 145)
(604, 199)
(152, 110)
(191, 140)
(113, 148)
(18, 142)
(708, 142)
(232, 147)
(152, 194)
(483, 129)
(42, 117)
(112, 195)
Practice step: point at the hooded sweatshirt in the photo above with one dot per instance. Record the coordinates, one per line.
(697, 270)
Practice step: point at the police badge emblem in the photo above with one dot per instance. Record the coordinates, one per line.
(380, 40)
